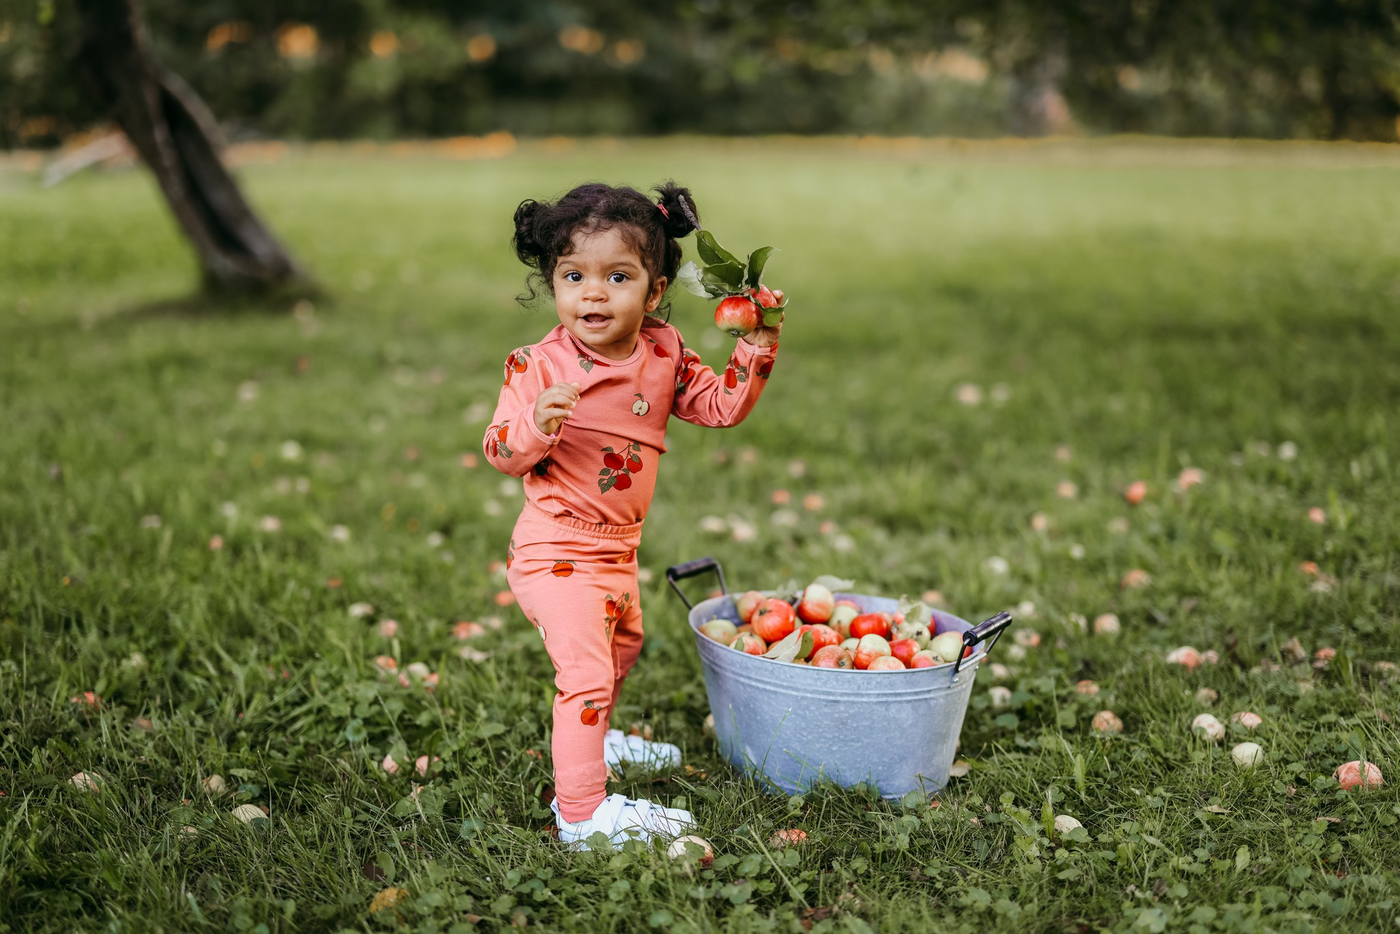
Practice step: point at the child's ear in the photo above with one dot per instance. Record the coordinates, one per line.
(658, 289)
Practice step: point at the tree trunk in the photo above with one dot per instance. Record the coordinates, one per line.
(179, 140)
(1037, 106)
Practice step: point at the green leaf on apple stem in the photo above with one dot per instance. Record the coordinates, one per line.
(711, 252)
(833, 583)
(772, 317)
(690, 278)
(723, 279)
(757, 260)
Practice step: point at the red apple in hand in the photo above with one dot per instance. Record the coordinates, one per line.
(773, 620)
(737, 315)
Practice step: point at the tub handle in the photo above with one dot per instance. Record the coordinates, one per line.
(992, 627)
(680, 572)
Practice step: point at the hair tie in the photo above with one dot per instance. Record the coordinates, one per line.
(662, 208)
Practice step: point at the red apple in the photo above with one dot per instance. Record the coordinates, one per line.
(746, 603)
(833, 656)
(924, 659)
(816, 605)
(737, 315)
(904, 650)
(774, 619)
(749, 644)
(868, 623)
(871, 647)
(885, 663)
(822, 636)
(767, 297)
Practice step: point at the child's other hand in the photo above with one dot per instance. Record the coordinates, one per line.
(554, 405)
(764, 337)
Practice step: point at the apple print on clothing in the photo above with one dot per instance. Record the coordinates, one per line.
(587, 363)
(614, 608)
(589, 716)
(517, 362)
(497, 445)
(510, 553)
(686, 372)
(618, 467)
(765, 369)
(641, 406)
(734, 374)
(562, 568)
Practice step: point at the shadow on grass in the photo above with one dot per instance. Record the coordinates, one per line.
(207, 305)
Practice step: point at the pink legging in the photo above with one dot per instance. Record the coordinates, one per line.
(577, 582)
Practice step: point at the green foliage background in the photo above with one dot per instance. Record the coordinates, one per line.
(1317, 69)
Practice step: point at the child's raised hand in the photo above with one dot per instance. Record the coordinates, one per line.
(764, 337)
(554, 405)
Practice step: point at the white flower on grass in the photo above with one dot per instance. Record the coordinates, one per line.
(1076, 551)
(1287, 451)
(291, 451)
(270, 524)
(436, 539)
(742, 529)
(150, 522)
(997, 564)
(713, 525)
(1025, 610)
(229, 510)
(358, 610)
(968, 393)
(843, 542)
(339, 533)
(467, 653)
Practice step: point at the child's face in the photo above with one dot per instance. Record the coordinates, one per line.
(603, 293)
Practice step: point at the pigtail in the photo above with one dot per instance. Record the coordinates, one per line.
(527, 246)
(679, 215)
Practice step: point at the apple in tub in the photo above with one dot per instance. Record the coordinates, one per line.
(947, 645)
(817, 604)
(774, 619)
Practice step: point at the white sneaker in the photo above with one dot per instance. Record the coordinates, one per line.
(618, 747)
(620, 818)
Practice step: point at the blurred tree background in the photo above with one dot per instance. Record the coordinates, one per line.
(428, 68)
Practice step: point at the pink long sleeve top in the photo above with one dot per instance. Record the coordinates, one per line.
(600, 466)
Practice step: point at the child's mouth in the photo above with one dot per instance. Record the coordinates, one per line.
(596, 320)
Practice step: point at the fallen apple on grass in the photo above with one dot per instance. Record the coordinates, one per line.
(1247, 755)
(1358, 774)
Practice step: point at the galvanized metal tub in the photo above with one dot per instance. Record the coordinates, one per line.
(795, 725)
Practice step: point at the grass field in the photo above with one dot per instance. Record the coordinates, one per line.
(1148, 306)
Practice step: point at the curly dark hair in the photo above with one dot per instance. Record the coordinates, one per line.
(545, 231)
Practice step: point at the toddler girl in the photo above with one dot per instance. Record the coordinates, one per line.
(582, 418)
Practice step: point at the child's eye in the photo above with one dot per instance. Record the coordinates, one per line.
(573, 276)
(617, 278)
